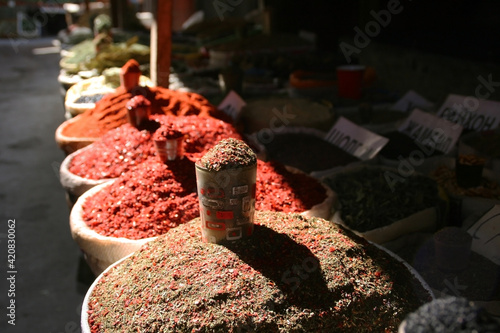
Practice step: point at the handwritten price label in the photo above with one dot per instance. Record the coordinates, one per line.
(355, 140)
(486, 235)
(232, 105)
(423, 127)
(471, 113)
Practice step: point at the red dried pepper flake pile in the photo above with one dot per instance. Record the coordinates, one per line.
(294, 274)
(279, 189)
(153, 197)
(114, 153)
(126, 146)
(145, 202)
(111, 112)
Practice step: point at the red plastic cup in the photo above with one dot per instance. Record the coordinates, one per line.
(350, 81)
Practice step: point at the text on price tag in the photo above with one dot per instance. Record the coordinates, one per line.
(471, 113)
(430, 130)
(355, 140)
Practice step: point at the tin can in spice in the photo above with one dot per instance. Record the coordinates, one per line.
(226, 179)
(227, 202)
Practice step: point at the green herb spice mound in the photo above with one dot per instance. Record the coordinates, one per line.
(294, 274)
(228, 154)
(371, 198)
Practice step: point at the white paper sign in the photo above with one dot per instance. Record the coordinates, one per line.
(470, 112)
(430, 130)
(410, 101)
(232, 105)
(486, 235)
(355, 140)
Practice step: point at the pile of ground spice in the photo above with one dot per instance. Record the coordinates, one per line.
(293, 275)
(126, 146)
(228, 154)
(306, 152)
(110, 112)
(154, 197)
(447, 179)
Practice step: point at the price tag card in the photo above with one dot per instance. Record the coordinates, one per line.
(410, 101)
(486, 235)
(430, 130)
(355, 140)
(470, 112)
(232, 105)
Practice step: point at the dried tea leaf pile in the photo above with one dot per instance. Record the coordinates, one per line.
(293, 275)
(371, 198)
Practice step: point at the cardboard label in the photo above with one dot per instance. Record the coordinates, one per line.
(430, 130)
(232, 105)
(355, 140)
(471, 113)
(486, 235)
(410, 101)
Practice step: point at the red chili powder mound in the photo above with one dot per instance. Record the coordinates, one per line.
(126, 146)
(110, 112)
(145, 202)
(153, 197)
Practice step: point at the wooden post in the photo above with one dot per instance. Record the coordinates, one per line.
(161, 43)
(114, 7)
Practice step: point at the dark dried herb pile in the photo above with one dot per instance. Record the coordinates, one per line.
(293, 275)
(306, 152)
(371, 198)
(401, 145)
